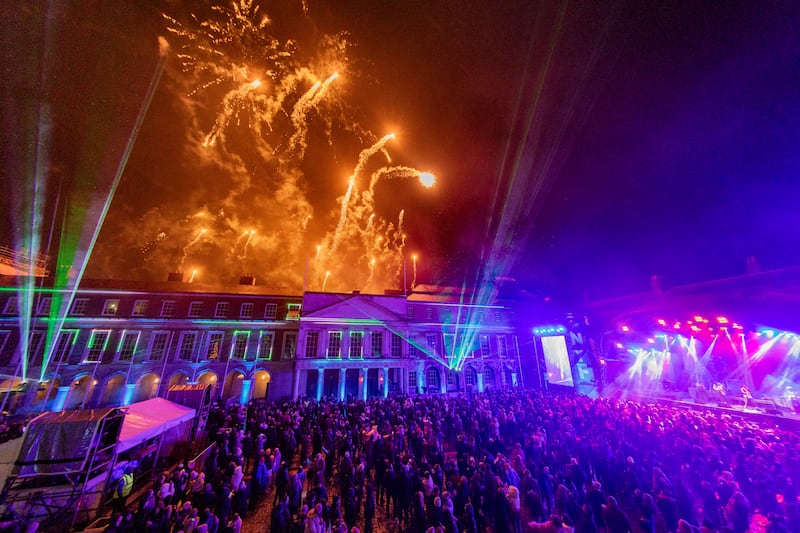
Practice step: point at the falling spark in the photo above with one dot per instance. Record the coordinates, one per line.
(414, 278)
(194, 275)
(325, 281)
(148, 248)
(249, 237)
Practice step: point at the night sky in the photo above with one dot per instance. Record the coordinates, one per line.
(580, 148)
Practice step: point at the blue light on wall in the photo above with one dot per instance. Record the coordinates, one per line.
(543, 331)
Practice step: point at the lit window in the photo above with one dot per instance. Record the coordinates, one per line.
(469, 377)
(97, 345)
(410, 312)
(502, 348)
(214, 345)
(447, 316)
(35, 347)
(168, 308)
(79, 306)
(265, 345)
(429, 313)
(195, 309)
(140, 307)
(127, 346)
(239, 346)
(451, 378)
(110, 307)
(433, 377)
(486, 349)
(356, 344)
(271, 311)
(293, 312)
(221, 310)
(289, 345)
(412, 379)
(246, 310)
(433, 343)
(334, 345)
(63, 348)
(497, 316)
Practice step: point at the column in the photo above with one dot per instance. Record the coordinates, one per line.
(320, 383)
(61, 398)
(420, 379)
(247, 387)
(362, 384)
(341, 384)
(443, 380)
(404, 380)
(296, 383)
(480, 381)
(385, 382)
(130, 390)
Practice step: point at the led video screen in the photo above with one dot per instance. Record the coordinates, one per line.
(556, 361)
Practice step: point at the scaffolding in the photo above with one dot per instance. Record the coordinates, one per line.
(63, 468)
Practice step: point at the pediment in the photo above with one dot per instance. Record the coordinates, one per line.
(353, 307)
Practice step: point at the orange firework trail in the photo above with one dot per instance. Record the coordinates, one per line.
(189, 247)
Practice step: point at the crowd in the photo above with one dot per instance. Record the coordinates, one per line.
(501, 461)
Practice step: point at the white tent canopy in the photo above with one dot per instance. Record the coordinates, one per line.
(147, 419)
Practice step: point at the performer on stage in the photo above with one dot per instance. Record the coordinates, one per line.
(746, 394)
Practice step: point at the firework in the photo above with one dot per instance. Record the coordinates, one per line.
(151, 245)
(414, 277)
(189, 246)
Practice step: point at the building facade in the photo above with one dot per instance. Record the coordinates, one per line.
(120, 343)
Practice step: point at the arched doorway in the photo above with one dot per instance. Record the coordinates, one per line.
(178, 378)
(146, 387)
(113, 391)
(48, 394)
(233, 385)
(470, 378)
(453, 380)
(81, 392)
(261, 386)
(209, 378)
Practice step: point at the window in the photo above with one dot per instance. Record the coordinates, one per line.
(447, 316)
(168, 308)
(469, 377)
(186, 345)
(239, 345)
(35, 347)
(377, 344)
(501, 346)
(451, 378)
(271, 311)
(432, 340)
(12, 307)
(429, 313)
(397, 345)
(63, 348)
(486, 350)
(127, 345)
(410, 312)
(289, 345)
(97, 345)
(481, 317)
(414, 347)
(221, 310)
(497, 316)
(246, 311)
(140, 307)
(432, 377)
(4, 336)
(449, 345)
(79, 306)
(312, 339)
(158, 345)
(356, 344)
(412, 380)
(214, 345)
(265, 345)
(44, 306)
(293, 312)
(111, 307)
(334, 345)
(195, 309)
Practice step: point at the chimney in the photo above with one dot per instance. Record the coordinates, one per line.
(175, 276)
(247, 280)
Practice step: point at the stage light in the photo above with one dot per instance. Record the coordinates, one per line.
(722, 320)
(651, 341)
(602, 361)
(626, 329)
(676, 325)
(698, 318)
(618, 345)
(662, 322)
